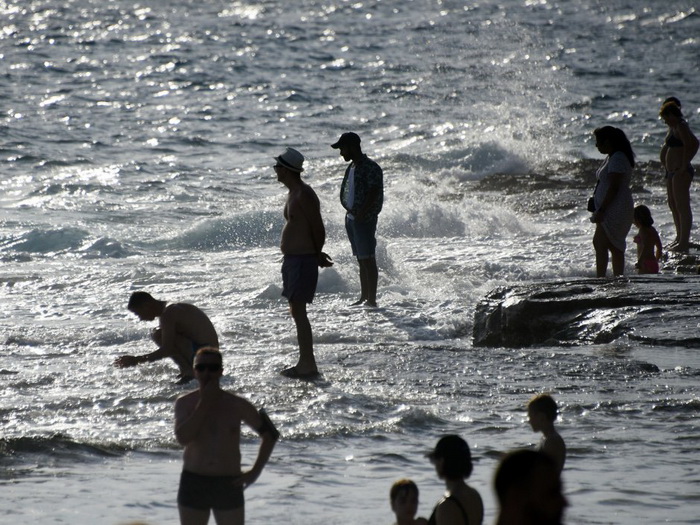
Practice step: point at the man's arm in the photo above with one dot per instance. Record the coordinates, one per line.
(260, 422)
(126, 361)
(310, 207)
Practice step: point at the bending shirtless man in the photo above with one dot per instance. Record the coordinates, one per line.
(208, 424)
(183, 329)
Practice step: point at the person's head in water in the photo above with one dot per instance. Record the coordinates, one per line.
(452, 458)
(404, 500)
(672, 100)
(642, 216)
(528, 488)
(541, 406)
(144, 305)
(671, 113)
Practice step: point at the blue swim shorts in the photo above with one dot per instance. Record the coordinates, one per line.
(299, 278)
(362, 237)
(209, 492)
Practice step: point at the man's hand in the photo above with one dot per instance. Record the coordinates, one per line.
(126, 361)
(597, 216)
(324, 260)
(246, 479)
(210, 394)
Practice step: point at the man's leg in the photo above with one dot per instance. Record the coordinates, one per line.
(369, 275)
(184, 357)
(307, 361)
(229, 517)
(189, 516)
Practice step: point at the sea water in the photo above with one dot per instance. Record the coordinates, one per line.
(136, 147)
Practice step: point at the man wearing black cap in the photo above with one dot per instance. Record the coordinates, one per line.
(362, 196)
(303, 237)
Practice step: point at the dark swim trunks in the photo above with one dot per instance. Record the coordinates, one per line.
(209, 492)
(195, 348)
(299, 278)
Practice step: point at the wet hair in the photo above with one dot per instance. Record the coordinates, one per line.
(642, 215)
(674, 100)
(138, 299)
(457, 460)
(402, 486)
(544, 403)
(212, 351)
(670, 108)
(617, 139)
(517, 470)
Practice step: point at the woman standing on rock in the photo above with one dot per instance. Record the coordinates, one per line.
(614, 207)
(678, 150)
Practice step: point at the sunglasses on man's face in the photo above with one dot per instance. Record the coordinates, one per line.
(210, 367)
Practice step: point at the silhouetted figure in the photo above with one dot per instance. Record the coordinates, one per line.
(678, 151)
(404, 502)
(613, 200)
(649, 248)
(461, 504)
(542, 413)
(183, 329)
(303, 237)
(362, 196)
(529, 491)
(208, 424)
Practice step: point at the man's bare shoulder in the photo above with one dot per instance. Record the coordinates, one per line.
(307, 193)
(178, 309)
(188, 397)
(234, 399)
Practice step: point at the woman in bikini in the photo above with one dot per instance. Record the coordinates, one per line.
(678, 150)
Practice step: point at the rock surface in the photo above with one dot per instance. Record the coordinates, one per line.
(659, 310)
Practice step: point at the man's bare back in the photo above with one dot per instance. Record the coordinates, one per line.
(188, 321)
(303, 229)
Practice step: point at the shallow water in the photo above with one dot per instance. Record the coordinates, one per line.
(137, 142)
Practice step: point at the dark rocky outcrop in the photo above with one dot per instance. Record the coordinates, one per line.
(659, 310)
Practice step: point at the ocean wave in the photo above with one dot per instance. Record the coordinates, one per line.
(46, 241)
(61, 240)
(58, 446)
(105, 247)
(250, 229)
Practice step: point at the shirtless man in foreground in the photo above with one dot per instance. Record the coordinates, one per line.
(208, 424)
(303, 237)
(183, 329)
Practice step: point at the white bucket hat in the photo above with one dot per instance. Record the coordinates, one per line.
(291, 159)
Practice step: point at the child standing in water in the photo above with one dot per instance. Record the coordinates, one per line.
(542, 412)
(404, 503)
(647, 239)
